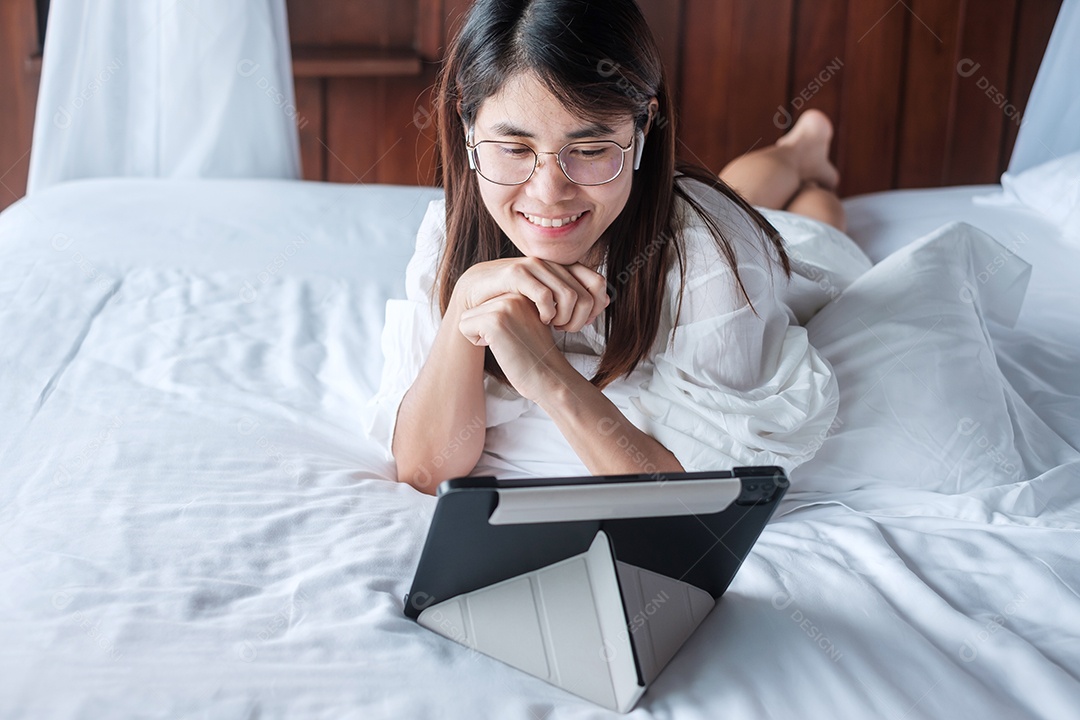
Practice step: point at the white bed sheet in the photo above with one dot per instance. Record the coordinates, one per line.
(191, 525)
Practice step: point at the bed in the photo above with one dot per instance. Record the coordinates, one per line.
(192, 525)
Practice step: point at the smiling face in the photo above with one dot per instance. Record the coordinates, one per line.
(550, 217)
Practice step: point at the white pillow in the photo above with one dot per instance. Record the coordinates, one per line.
(923, 404)
(1051, 189)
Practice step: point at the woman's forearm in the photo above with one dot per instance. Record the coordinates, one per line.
(441, 421)
(606, 442)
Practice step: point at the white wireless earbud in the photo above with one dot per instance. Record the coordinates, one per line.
(639, 147)
(470, 151)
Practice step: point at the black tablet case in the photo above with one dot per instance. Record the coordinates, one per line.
(463, 552)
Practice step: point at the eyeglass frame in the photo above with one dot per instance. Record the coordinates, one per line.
(637, 140)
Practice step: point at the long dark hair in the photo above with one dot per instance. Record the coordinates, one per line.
(601, 60)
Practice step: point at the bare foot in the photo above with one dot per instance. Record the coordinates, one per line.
(810, 138)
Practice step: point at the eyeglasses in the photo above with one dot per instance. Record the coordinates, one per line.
(512, 163)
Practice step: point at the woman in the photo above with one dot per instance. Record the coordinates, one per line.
(596, 315)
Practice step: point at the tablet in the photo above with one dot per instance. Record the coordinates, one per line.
(591, 583)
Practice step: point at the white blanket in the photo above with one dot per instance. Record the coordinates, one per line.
(192, 526)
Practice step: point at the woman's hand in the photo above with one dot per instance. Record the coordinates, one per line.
(566, 297)
(522, 343)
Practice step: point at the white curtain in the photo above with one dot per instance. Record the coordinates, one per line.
(1050, 127)
(165, 88)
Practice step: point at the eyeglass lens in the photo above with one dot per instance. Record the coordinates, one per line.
(592, 163)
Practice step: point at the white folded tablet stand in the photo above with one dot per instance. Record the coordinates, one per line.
(592, 584)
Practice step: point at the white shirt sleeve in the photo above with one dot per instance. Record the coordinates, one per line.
(410, 329)
(733, 387)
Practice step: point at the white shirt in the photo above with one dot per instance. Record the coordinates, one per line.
(721, 388)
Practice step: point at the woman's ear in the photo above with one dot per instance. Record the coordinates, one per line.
(654, 108)
(639, 136)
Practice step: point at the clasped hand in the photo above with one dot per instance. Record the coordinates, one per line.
(512, 305)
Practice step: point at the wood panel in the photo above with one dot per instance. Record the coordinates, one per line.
(430, 35)
(311, 126)
(352, 115)
(933, 47)
(1035, 21)
(454, 13)
(665, 20)
(817, 62)
(874, 54)
(379, 130)
(760, 63)
(885, 71)
(18, 92)
(348, 22)
(704, 82)
(980, 103)
(409, 154)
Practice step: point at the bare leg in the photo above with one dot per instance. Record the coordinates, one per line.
(818, 203)
(777, 176)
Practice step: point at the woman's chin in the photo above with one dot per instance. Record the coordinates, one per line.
(559, 256)
(563, 251)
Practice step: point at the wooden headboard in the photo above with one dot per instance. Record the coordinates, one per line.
(924, 93)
